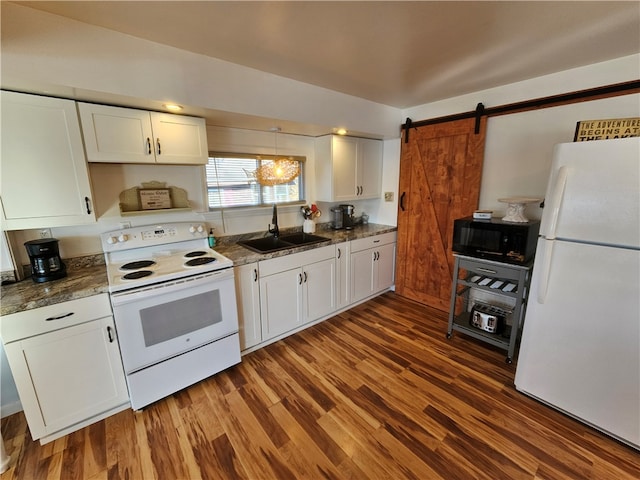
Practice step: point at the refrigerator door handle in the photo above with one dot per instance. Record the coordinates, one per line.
(545, 264)
(556, 202)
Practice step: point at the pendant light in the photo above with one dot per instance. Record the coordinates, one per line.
(278, 171)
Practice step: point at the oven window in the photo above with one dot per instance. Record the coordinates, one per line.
(180, 317)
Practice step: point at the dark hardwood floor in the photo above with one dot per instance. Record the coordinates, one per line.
(377, 392)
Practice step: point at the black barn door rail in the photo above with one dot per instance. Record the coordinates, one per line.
(625, 88)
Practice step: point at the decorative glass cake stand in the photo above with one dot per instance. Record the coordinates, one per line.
(515, 208)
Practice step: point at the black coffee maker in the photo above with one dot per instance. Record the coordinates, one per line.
(347, 216)
(45, 260)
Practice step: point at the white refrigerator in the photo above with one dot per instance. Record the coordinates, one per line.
(580, 348)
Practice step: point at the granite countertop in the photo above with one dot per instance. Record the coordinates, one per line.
(240, 255)
(82, 280)
(87, 276)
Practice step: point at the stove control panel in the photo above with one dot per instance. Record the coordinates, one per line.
(151, 235)
(158, 232)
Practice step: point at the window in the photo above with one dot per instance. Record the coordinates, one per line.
(231, 182)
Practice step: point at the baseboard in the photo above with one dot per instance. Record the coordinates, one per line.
(10, 408)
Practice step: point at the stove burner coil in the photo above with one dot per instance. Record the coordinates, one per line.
(137, 265)
(136, 275)
(196, 262)
(197, 253)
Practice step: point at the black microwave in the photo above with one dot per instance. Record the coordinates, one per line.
(496, 239)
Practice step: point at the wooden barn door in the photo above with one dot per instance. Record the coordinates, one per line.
(440, 171)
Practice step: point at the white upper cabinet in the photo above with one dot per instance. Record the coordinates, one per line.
(126, 135)
(45, 180)
(348, 168)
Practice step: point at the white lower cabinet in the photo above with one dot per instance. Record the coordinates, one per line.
(248, 299)
(66, 364)
(281, 295)
(372, 265)
(296, 289)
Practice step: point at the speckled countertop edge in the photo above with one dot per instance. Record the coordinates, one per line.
(240, 255)
(87, 276)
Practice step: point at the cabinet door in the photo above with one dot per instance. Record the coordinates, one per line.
(369, 168)
(248, 298)
(281, 302)
(345, 159)
(385, 266)
(45, 181)
(361, 274)
(69, 375)
(179, 139)
(319, 289)
(116, 135)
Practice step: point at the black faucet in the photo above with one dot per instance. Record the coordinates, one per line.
(274, 220)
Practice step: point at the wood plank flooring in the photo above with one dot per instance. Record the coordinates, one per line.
(377, 392)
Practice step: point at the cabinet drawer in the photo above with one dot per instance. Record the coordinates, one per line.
(296, 260)
(53, 317)
(491, 269)
(373, 241)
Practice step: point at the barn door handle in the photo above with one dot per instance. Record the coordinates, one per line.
(402, 201)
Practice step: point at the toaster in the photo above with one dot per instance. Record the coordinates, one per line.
(487, 318)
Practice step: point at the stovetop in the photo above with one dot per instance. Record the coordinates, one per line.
(140, 256)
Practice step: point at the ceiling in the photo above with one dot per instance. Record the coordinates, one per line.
(395, 53)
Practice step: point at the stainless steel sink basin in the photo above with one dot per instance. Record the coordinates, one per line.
(273, 244)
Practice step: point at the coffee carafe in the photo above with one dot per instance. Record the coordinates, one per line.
(46, 263)
(347, 216)
(336, 213)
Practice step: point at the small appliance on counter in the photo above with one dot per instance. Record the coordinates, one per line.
(348, 220)
(488, 318)
(336, 213)
(46, 263)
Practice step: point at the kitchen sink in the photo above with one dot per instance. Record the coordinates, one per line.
(273, 244)
(303, 238)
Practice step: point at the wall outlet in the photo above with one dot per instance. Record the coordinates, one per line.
(388, 196)
(124, 225)
(45, 233)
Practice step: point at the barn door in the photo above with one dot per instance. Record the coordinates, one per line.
(440, 171)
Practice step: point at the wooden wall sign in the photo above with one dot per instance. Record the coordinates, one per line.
(154, 198)
(608, 128)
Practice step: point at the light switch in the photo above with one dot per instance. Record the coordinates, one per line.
(388, 196)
